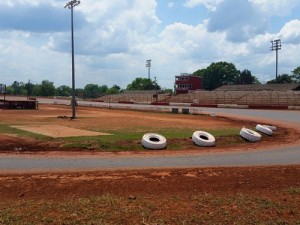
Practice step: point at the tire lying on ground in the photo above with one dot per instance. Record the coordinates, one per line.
(250, 135)
(273, 128)
(203, 139)
(264, 129)
(154, 141)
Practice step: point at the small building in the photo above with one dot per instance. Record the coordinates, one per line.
(185, 83)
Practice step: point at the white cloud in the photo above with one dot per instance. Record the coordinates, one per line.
(290, 33)
(113, 39)
(239, 19)
(18, 2)
(275, 7)
(115, 27)
(171, 5)
(209, 4)
(21, 61)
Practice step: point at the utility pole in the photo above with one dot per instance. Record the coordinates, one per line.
(155, 82)
(71, 5)
(28, 89)
(156, 95)
(148, 64)
(276, 45)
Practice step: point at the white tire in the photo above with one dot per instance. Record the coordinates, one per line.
(264, 129)
(154, 141)
(203, 139)
(273, 128)
(250, 135)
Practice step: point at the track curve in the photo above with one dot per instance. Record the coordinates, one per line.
(279, 156)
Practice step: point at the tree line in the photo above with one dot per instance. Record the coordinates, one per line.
(224, 73)
(47, 88)
(214, 76)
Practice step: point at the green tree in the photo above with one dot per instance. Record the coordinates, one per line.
(218, 74)
(199, 73)
(80, 92)
(9, 90)
(282, 79)
(37, 90)
(115, 89)
(46, 88)
(91, 91)
(29, 88)
(246, 77)
(64, 90)
(143, 84)
(296, 74)
(15, 87)
(256, 81)
(102, 89)
(18, 88)
(112, 91)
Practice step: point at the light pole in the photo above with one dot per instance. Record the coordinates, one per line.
(276, 45)
(71, 5)
(148, 64)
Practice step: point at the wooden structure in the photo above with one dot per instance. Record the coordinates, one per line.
(18, 104)
(185, 83)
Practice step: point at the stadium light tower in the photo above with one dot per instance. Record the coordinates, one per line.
(71, 5)
(276, 45)
(148, 64)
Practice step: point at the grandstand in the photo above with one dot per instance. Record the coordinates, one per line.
(256, 95)
(267, 95)
(145, 97)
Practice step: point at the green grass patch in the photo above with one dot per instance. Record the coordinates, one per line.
(125, 140)
(129, 139)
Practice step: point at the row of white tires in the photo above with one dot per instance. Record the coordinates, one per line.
(253, 136)
(204, 139)
(157, 142)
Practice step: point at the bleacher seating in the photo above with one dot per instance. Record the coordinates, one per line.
(259, 87)
(270, 94)
(136, 97)
(240, 97)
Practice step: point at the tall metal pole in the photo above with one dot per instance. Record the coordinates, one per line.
(276, 45)
(71, 5)
(28, 90)
(148, 64)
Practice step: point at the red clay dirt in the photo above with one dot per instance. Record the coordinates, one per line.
(158, 187)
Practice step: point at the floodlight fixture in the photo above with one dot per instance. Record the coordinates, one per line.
(72, 4)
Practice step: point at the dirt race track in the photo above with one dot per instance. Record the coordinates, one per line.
(242, 195)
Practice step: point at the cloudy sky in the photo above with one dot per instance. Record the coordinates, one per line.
(113, 39)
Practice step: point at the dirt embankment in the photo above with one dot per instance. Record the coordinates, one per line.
(149, 182)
